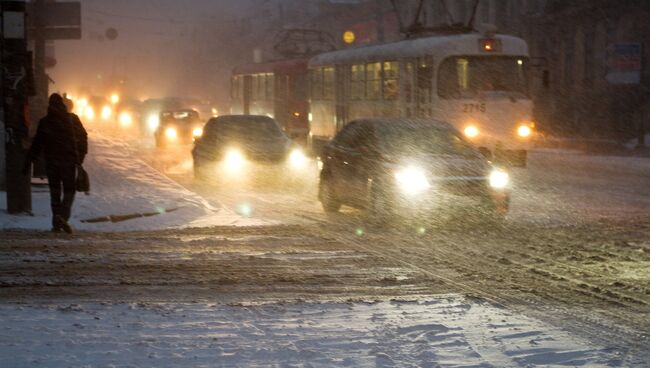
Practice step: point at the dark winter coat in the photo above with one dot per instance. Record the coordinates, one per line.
(56, 134)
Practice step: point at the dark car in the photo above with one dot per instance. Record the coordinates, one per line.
(231, 143)
(389, 165)
(178, 127)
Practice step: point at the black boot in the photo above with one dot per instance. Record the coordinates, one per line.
(63, 224)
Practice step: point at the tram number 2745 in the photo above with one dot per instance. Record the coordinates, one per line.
(474, 107)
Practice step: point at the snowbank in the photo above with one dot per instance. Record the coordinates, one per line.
(124, 185)
(450, 331)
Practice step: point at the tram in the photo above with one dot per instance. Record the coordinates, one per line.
(477, 82)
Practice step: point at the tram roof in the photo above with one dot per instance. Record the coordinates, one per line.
(463, 44)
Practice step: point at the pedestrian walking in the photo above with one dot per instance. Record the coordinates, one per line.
(64, 143)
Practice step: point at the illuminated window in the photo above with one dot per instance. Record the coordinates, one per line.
(408, 82)
(268, 78)
(463, 73)
(373, 81)
(390, 80)
(317, 84)
(358, 80)
(328, 83)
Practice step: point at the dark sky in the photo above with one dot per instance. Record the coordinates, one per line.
(156, 40)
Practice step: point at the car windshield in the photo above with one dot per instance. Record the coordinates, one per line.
(422, 140)
(471, 76)
(180, 117)
(250, 129)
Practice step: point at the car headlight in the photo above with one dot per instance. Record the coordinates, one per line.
(412, 180)
(89, 112)
(499, 179)
(106, 112)
(524, 131)
(125, 119)
(197, 132)
(234, 159)
(297, 158)
(171, 133)
(152, 122)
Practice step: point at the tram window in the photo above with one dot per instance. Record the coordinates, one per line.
(390, 81)
(254, 93)
(317, 84)
(270, 85)
(358, 82)
(425, 76)
(466, 77)
(234, 87)
(298, 86)
(328, 83)
(373, 81)
(408, 81)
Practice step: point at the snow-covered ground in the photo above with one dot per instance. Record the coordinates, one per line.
(450, 331)
(122, 184)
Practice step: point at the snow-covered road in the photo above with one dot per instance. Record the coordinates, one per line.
(447, 331)
(564, 282)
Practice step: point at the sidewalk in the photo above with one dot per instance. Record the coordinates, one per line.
(123, 188)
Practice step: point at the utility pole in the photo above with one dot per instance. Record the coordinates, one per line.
(15, 87)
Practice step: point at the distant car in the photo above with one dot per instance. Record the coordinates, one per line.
(98, 109)
(231, 143)
(128, 114)
(392, 165)
(178, 127)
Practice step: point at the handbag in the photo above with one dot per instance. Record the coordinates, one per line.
(82, 179)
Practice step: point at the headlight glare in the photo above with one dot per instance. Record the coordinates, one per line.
(412, 180)
(471, 131)
(524, 131)
(171, 133)
(106, 112)
(90, 113)
(152, 122)
(499, 179)
(125, 119)
(234, 159)
(197, 132)
(297, 158)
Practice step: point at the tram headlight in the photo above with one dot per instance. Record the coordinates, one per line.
(499, 179)
(524, 131)
(471, 131)
(197, 132)
(297, 158)
(412, 180)
(171, 133)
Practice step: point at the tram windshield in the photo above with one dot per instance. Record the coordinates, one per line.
(473, 76)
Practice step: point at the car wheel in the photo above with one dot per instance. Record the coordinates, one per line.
(328, 197)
